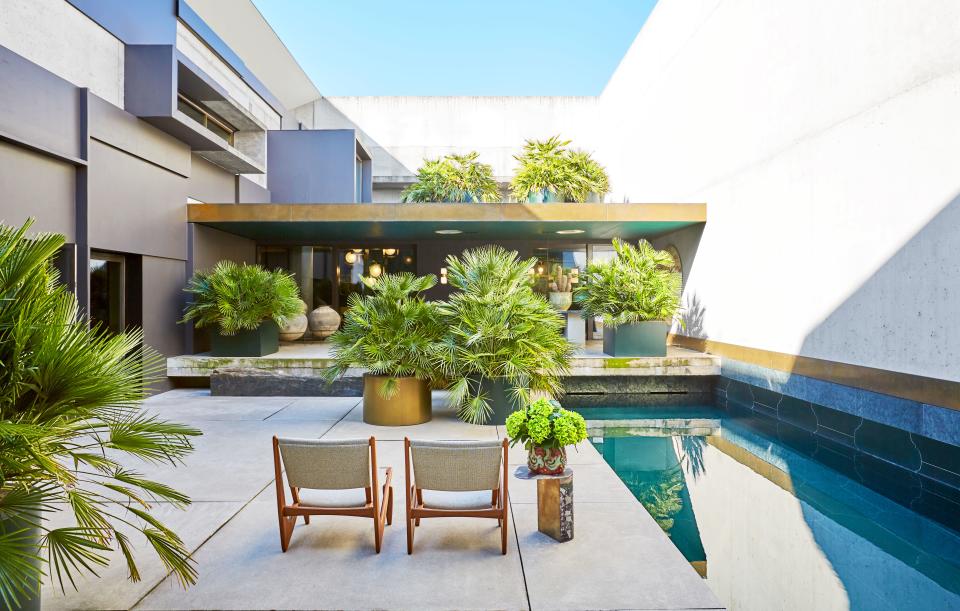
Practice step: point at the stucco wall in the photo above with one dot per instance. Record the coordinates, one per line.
(823, 138)
(56, 36)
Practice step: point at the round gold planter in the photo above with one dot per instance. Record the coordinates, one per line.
(410, 404)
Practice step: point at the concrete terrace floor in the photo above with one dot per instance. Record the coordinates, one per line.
(619, 558)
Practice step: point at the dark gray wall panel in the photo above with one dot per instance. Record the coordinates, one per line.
(311, 166)
(137, 22)
(210, 183)
(39, 186)
(124, 131)
(38, 107)
(135, 206)
(212, 245)
(150, 80)
(163, 302)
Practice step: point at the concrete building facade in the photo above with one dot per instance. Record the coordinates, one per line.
(826, 162)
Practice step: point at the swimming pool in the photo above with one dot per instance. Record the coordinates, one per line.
(767, 526)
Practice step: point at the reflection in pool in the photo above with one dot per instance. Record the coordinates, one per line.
(770, 528)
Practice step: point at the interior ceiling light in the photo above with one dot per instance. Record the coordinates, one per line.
(448, 231)
(350, 256)
(375, 270)
(569, 231)
(389, 252)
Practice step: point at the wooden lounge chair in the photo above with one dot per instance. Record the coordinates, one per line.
(456, 479)
(331, 478)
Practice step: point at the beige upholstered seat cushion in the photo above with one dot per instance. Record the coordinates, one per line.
(341, 499)
(433, 499)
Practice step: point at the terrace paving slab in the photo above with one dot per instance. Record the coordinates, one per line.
(618, 559)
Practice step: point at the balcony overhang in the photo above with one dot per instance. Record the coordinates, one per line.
(395, 221)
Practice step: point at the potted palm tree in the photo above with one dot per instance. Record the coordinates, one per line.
(548, 171)
(395, 334)
(637, 295)
(69, 416)
(453, 178)
(503, 340)
(545, 429)
(246, 304)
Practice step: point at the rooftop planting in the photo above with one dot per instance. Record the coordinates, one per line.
(453, 178)
(549, 171)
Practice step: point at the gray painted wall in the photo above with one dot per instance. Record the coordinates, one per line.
(312, 166)
(210, 183)
(39, 186)
(212, 245)
(38, 108)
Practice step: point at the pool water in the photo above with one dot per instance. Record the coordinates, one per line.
(768, 527)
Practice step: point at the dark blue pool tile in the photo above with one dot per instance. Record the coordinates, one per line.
(837, 457)
(892, 411)
(798, 412)
(944, 489)
(941, 423)
(799, 439)
(766, 397)
(739, 393)
(888, 479)
(836, 442)
(836, 420)
(889, 443)
(944, 456)
(937, 507)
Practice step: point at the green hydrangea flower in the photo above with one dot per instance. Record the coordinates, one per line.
(545, 423)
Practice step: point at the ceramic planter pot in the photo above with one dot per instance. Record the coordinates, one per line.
(261, 341)
(647, 338)
(410, 404)
(500, 399)
(561, 301)
(549, 196)
(323, 321)
(546, 461)
(535, 196)
(25, 603)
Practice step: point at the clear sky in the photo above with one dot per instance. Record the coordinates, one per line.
(457, 47)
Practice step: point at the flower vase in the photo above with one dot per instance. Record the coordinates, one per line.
(546, 461)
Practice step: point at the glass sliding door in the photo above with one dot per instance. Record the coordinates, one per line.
(107, 301)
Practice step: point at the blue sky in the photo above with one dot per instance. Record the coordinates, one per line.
(457, 47)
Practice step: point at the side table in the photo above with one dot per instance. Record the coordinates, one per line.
(554, 502)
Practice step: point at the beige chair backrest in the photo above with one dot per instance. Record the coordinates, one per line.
(456, 466)
(326, 465)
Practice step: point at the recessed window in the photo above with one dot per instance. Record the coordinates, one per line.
(107, 301)
(204, 117)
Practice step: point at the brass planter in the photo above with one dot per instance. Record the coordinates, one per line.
(410, 404)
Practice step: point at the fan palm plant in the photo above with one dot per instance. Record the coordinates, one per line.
(637, 285)
(238, 297)
(69, 413)
(549, 166)
(498, 329)
(453, 178)
(392, 331)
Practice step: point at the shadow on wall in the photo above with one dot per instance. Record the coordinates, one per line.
(908, 309)
(692, 317)
(334, 118)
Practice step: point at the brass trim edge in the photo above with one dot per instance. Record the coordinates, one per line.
(933, 391)
(333, 212)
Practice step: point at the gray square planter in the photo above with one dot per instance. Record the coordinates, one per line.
(261, 341)
(647, 338)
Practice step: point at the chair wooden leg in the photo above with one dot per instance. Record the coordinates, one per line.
(389, 505)
(286, 531)
(419, 501)
(503, 532)
(377, 532)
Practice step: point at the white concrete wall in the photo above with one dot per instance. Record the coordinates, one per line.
(58, 37)
(823, 138)
(399, 132)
